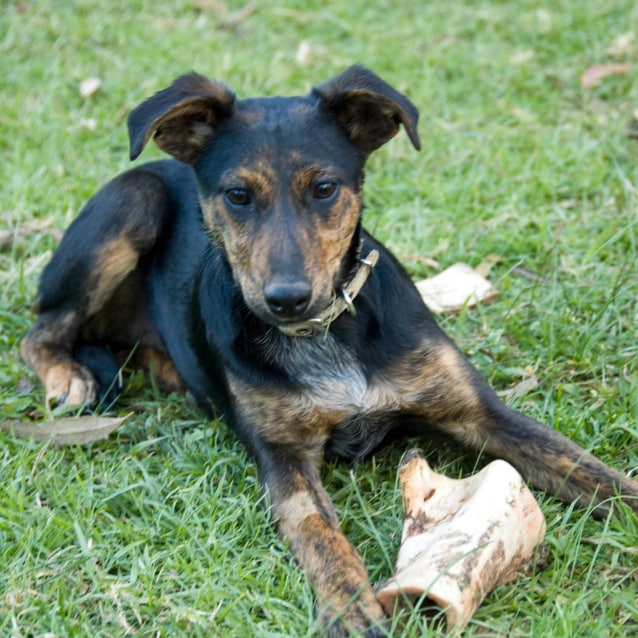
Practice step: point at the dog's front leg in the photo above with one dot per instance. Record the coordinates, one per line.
(305, 516)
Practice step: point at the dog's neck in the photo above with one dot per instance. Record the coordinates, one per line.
(342, 301)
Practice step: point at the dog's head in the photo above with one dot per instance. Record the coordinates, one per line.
(279, 179)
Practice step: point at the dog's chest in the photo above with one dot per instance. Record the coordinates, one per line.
(323, 396)
(356, 410)
(331, 379)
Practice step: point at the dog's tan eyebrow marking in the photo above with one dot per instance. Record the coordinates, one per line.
(259, 176)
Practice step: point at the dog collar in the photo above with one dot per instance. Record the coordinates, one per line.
(340, 303)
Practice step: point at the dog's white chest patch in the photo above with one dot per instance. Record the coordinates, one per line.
(333, 379)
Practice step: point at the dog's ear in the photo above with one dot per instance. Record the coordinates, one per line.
(182, 117)
(368, 108)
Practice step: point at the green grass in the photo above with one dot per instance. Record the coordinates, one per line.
(160, 530)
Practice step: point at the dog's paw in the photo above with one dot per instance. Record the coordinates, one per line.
(339, 629)
(70, 384)
(357, 620)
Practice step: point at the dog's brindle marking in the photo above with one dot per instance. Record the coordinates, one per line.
(196, 263)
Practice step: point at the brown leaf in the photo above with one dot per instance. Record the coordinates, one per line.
(623, 45)
(238, 17)
(594, 74)
(304, 53)
(455, 287)
(89, 86)
(520, 389)
(66, 431)
(422, 260)
(210, 5)
(485, 266)
(8, 236)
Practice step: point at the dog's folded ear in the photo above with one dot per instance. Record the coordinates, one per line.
(368, 108)
(182, 117)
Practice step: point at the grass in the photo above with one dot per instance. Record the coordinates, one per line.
(160, 530)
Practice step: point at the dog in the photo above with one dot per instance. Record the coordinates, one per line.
(239, 271)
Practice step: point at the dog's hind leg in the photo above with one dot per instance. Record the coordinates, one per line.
(91, 290)
(455, 397)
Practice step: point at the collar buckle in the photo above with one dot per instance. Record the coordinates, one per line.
(341, 303)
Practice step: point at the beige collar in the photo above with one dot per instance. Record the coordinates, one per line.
(341, 302)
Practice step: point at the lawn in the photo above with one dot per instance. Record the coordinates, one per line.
(529, 164)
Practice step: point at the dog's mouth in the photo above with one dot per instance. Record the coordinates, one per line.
(291, 310)
(282, 316)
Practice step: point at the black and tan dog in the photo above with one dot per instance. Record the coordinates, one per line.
(241, 273)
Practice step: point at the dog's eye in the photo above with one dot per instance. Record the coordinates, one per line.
(238, 196)
(324, 190)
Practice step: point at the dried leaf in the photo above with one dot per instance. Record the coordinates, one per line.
(66, 431)
(594, 74)
(485, 266)
(422, 260)
(623, 45)
(304, 53)
(521, 57)
(455, 287)
(520, 389)
(441, 247)
(238, 17)
(612, 543)
(90, 124)
(89, 86)
(210, 5)
(8, 237)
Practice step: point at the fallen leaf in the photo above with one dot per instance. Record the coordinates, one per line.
(304, 53)
(441, 247)
(210, 5)
(236, 18)
(485, 266)
(612, 543)
(423, 260)
(8, 237)
(455, 287)
(66, 431)
(520, 389)
(523, 115)
(89, 86)
(623, 45)
(544, 20)
(90, 124)
(594, 74)
(521, 57)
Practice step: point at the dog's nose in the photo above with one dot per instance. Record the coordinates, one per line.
(288, 299)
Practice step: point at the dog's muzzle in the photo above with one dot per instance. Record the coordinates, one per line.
(341, 302)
